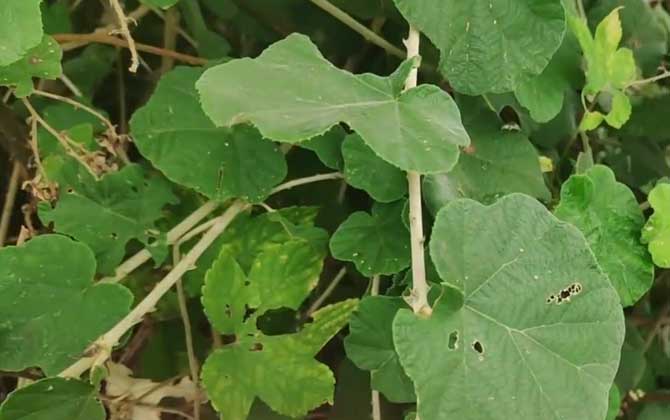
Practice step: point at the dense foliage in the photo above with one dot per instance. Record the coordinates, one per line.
(344, 209)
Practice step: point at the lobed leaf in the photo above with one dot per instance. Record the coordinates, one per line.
(608, 214)
(42, 61)
(306, 96)
(489, 45)
(46, 288)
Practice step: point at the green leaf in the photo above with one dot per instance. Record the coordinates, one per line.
(108, 213)
(172, 131)
(225, 295)
(78, 124)
(609, 68)
(209, 43)
(53, 399)
(51, 309)
(654, 412)
(284, 275)
(20, 29)
(90, 69)
(620, 111)
(370, 346)
(306, 96)
(377, 243)
(656, 232)
(525, 332)
(498, 162)
(591, 120)
(643, 33)
(162, 4)
(543, 95)
(614, 403)
(280, 370)
(328, 147)
(489, 45)
(608, 214)
(365, 170)
(42, 61)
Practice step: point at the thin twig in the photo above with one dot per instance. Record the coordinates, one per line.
(662, 315)
(132, 263)
(326, 293)
(101, 38)
(656, 78)
(365, 32)
(376, 402)
(125, 32)
(70, 85)
(169, 37)
(419, 295)
(64, 140)
(101, 350)
(188, 333)
(307, 180)
(10, 200)
(78, 105)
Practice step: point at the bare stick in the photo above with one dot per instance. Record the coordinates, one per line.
(125, 32)
(326, 293)
(365, 32)
(132, 263)
(102, 348)
(101, 38)
(10, 200)
(376, 402)
(307, 180)
(70, 85)
(77, 105)
(188, 334)
(419, 296)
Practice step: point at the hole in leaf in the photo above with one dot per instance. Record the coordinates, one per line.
(114, 235)
(453, 340)
(565, 294)
(477, 346)
(228, 311)
(70, 190)
(257, 347)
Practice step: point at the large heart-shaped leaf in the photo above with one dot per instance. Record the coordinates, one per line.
(53, 399)
(306, 96)
(51, 309)
(489, 45)
(521, 331)
(20, 28)
(607, 212)
(174, 133)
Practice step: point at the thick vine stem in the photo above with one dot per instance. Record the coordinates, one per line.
(419, 296)
(101, 350)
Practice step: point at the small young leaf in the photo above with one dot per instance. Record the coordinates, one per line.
(20, 28)
(656, 232)
(306, 96)
(365, 170)
(51, 309)
(108, 213)
(43, 62)
(537, 333)
(162, 4)
(53, 399)
(489, 45)
(607, 212)
(377, 243)
(172, 131)
(370, 346)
